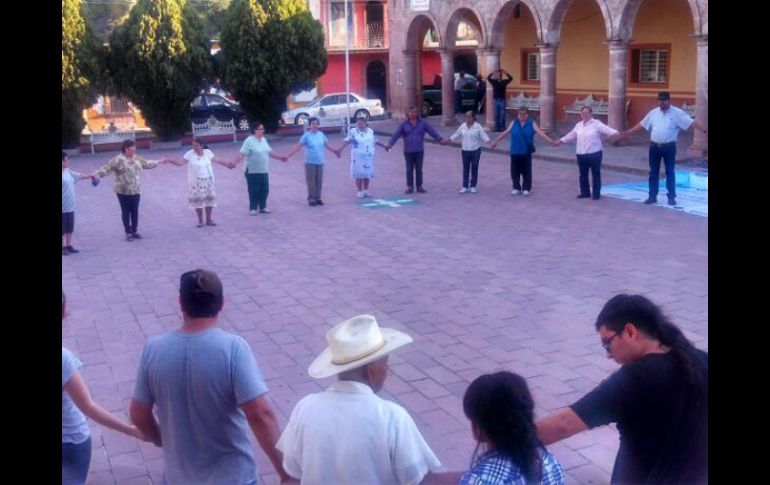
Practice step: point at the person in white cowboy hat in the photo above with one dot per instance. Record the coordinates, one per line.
(347, 435)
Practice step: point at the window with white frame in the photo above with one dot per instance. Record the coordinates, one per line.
(337, 23)
(653, 65)
(533, 66)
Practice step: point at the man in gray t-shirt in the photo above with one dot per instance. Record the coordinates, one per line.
(207, 391)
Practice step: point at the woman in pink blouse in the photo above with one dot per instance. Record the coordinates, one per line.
(588, 133)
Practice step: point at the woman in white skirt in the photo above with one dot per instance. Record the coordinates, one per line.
(200, 180)
(361, 155)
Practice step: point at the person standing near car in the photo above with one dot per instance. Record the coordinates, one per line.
(127, 167)
(481, 93)
(459, 84)
(413, 130)
(257, 152)
(498, 95)
(314, 142)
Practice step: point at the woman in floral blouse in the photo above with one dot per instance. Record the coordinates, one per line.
(127, 167)
(501, 412)
(361, 155)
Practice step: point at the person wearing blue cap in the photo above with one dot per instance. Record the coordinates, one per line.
(663, 123)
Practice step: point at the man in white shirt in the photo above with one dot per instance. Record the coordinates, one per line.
(347, 435)
(664, 124)
(588, 133)
(459, 84)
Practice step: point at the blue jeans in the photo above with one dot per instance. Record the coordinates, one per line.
(499, 114)
(471, 165)
(75, 460)
(594, 162)
(667, 152)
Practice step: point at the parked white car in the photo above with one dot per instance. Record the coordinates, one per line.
(334, 105)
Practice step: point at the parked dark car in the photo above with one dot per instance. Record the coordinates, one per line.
(431, 95)
(207, 105)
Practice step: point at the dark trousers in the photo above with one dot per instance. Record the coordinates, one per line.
(413, 168)
(667, 152)
(129, 212)
(259, 186)
(314, 176)
(471, 164)
(75, 460)
(521, 167)
(499, 114)
(458, 102)
(591, 161)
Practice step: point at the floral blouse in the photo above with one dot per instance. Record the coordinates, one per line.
(126, 173)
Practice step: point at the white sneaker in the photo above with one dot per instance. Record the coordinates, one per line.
(360, 195)
(367, 194)
(473, 190)
(526, 192)
(515, 192)
(463, 190)
(252, 213)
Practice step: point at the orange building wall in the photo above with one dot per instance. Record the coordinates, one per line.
(430, 62)
(333, 80)
(518, 34)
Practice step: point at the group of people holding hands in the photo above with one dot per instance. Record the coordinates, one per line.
(199, 393)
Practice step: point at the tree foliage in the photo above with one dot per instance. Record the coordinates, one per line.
(158, 59)
(81, 61)
(270, 48)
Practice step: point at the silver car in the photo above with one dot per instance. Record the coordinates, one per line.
(334, 106)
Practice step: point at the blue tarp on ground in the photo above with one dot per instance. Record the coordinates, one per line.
(692, 192)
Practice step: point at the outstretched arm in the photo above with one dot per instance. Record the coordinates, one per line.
(282, 158)
(501, 135)
(263, 423)
(294, 150)
(78, 390)
(542, 133)
(141, 415)
(559, 425)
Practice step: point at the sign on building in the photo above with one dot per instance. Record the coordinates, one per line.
(420, 5)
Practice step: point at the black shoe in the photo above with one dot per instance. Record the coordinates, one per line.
(651, 200)
(596, 197)
(136, 235)
(311, 203)
(409, 190)
(671, 200)
(72, 250)
(421, 190)
(319, 202)
(65, 251)
(583, 196)
(129, 237)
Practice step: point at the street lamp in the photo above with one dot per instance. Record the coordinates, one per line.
(347, 69)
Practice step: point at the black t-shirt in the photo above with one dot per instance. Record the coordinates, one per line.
(498, 87)
(663, 436)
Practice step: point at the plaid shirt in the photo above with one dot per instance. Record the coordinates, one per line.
(493, 468)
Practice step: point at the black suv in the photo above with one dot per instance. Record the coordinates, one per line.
(207, 105)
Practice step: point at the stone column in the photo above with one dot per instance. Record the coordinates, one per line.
(447, 87)
(616, 117)
(547, 87)
(410, 90)
(492, 59)
(700, 143)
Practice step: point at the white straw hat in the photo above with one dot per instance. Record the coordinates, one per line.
(354, 343)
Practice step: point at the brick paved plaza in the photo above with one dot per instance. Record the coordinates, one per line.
(481, 281)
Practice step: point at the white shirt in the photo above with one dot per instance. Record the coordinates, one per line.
(349, 436)
(472, 137)
(199, 166)
(588, 136)
(666, 126)
(459, 83)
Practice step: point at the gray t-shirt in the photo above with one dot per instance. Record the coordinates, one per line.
(74, 428)
(257, 153)
(196, 382)
(68, 180)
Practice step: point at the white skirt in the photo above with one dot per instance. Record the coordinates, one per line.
(202, 194)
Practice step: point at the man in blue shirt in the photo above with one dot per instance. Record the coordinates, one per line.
(663, 123)
(413, 130)
(207, 391)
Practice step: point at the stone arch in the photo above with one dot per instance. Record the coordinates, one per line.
(555, 20)
(467, 12)
(496, 33)
(625, 28)
(418, 27)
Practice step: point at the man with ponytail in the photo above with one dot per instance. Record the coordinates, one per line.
(658, 398)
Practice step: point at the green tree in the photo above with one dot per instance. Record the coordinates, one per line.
(270, 48)
(81, 61)
(158, 59)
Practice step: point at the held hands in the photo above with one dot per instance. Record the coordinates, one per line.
(555, 143)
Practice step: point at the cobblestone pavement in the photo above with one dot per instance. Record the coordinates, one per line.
(482, 281)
